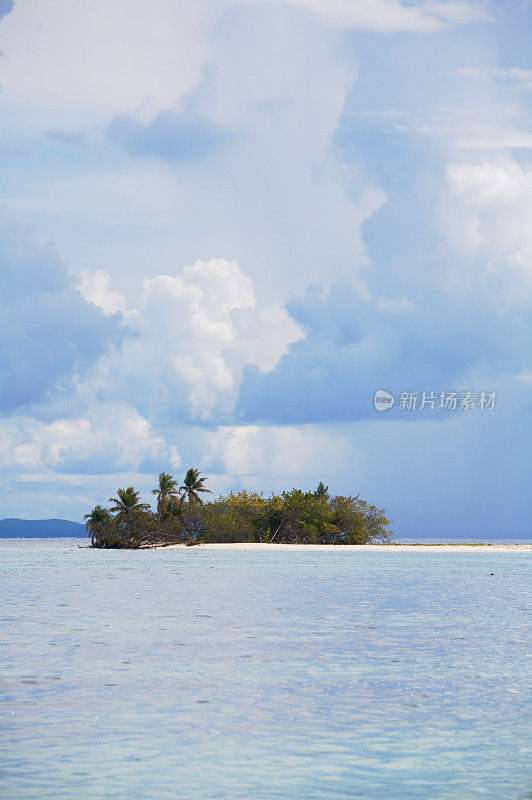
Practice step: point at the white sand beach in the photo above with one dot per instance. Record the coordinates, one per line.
(358, 548)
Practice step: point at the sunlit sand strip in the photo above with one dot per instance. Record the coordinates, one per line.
(357, 548)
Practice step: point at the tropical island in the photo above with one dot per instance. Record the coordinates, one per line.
(183, 516)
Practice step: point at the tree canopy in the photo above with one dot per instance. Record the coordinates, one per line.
(95, 521)
(183, 516)
(166, 492)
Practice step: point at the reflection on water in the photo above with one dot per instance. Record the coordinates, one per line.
(234, 674)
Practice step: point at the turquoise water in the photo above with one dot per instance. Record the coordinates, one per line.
(234, 674)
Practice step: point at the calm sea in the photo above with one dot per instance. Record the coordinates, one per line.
(230, 674)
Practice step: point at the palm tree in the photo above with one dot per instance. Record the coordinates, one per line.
(190, 491)
(126, 505)
(192, 485)
(95, 522)
(166, 492)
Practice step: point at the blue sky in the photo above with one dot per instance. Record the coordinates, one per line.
(225, 225)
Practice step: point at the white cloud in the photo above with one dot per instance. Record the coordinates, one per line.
(67, 63)
(391, 16)
(276, 183)
(95, 287)
(457, 12)
(488, 218)
(191, 336)
(492, 137)
(274, 201)
(483, 109)
(511, 76)
(114, 436)
(66, 495)
(480, 126)
(264, 336)
(85, 61)
(269, 450)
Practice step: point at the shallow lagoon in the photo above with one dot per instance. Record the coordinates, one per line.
(237, 674)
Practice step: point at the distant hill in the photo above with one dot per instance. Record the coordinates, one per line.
(37, 528)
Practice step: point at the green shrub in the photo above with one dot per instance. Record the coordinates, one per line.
(110, 541)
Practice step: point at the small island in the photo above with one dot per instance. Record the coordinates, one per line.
(183, 516)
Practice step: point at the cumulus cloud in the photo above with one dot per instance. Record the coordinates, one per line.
(253, 450)
(458, 320)
(192, 334)
(53, 332)
(107, 439)
(277, 182)
(289, 200)
(97, 59)
(95, 287)
(355, 346)
(488, 219)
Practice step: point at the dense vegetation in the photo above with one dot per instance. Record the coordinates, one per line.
(182, 516)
